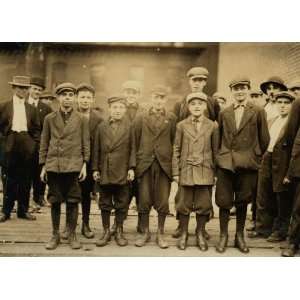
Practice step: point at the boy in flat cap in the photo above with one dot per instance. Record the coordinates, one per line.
(220, 99)
(294, 87)
(257, 98)
(20, 127)
(154, 133)
(113, 164)
(64, 154)
(244, 137)
(195, 147)
(37, 85)
(48, 98)
(274, 201)
(270, 87)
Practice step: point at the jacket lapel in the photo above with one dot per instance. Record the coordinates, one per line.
(10, 113)
(93, 122)
(203, 128)
(190, 128)
(149, 124)
(231, 119)
(119, 134)
(247, 115)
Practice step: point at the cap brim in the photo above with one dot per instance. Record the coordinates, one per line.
(65, 89)
(19, 84)
(263, 86)
(199, 76)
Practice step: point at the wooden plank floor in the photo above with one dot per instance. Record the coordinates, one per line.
(28, 238)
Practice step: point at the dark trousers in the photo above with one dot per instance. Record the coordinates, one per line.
(294, 234)
(38, 186)
(273, 209)
(114, 196)
(154, 190)
(87, 187)
(19, 160)
(235, 188)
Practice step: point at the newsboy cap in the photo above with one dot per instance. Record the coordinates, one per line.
(199, 72)
(197, 95)
(284, 94)
(132, 85)
(20, 81)
(85, 86)
(294, 84)
(47, 94)
(159, 90)
(37, 81)
(218, 95)
(256, 92)
(239, 80)
(116, 98)
(276, 80)
(65, 86)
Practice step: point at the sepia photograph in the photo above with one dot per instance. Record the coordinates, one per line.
(150, 149)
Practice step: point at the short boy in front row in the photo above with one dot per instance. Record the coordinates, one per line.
(195, 147)
(64, 153)
(113, 163)
(154, 133)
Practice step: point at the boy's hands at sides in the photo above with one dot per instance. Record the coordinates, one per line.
(82, 174)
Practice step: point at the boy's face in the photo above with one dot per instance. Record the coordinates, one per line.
(197, 84)
(272, 89)
(131, 95)
(66, 99)
(284, 106)
(258, 99)
(20, 91)
(296, 92)
(240, 92)
(46, 100)
(197, 107)
(117, 110)
(158, 101)
(85, 100)
(35, 91)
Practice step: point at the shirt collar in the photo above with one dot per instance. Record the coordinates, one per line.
(112, 120)
(18, 100)
(65, 112)
(161, 112)
(197, 119)
(237, 104)
(132, 105)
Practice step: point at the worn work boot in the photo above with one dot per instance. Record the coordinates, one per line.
(143, 237)
(276, 237)
(72, 211)
(160, 232)
(201, 240)
(239, 242)
(224, 219)
(86, 231)
(184, 223)
(73, 241)
(119, 237)
(53, 242)
(290, 251)
(106, 236)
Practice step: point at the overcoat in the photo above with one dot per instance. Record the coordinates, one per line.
(64, 147)
(194, 152)
(242, 148)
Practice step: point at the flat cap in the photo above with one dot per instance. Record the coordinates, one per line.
(159, 90)
(199, 72)
(116, 98)
(85, 86)
(284, 94)
(20, 81)
(276, 80)
(65, 86)
(239, 80)
(294, 84)
(47, 94)
(197, 95)
(37, 81)
(131, 85)
(256, 92)
(218, 95)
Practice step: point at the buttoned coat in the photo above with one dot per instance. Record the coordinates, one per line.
(64, 147)
(151, 145)
(194, 152)
(242, 148)
(113, 153)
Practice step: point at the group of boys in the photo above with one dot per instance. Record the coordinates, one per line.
(248, 149)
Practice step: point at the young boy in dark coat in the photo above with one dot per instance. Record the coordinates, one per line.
(113, 163)
(154, 133)
(64, 154)
(195, 147)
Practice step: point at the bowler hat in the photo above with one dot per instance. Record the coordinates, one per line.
(294, 84)
(65, 86)
(85, 86)
(159, 90)
(197, 95)
(284, 94)
(116, 98)
(20, 81)
(131, 84)
(199, 72)
(37, 81)
(239, 80)
(274, 80)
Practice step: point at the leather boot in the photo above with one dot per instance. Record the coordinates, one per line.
(239, 242)
(106, 236)
(160, 232)
(55, 217)
(86, 230)
(119, 237)
(184, 224)
(224, 219)
(143, 237)
(290, 251)
(72, 210)
(201, 240)
(177, 232)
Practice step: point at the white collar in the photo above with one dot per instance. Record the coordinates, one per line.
(18, 100)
